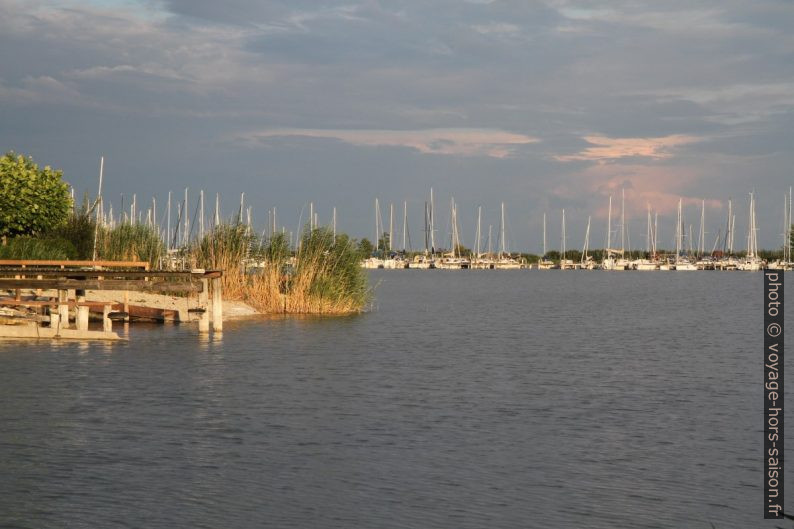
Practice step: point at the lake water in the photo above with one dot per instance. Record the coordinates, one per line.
(479, 399)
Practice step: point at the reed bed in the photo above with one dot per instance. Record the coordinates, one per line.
(130, 242)
(322, 277)
(226, 248)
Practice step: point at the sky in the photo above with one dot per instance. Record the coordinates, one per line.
(544, 106)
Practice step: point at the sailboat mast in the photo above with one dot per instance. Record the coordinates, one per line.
(609, 226)
(479, 220)
(586, 241)
(750, 229)
(623, 221)
(217, 219)
(544, 234)
(562, 238)
(377, 242)
(99, 202)
(454, 225)
(405, 223)
(201, 217)
(168, 227)
(702, 235)
(426, 228)
(788, 226)
(391, 227)
(187, 216)
(655, 233)
(432, 227)
(678, 234)
(502, 233)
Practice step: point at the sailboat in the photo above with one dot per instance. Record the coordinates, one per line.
(704, 262)
(504, 260)
(545, 263)
(681, 262)
(622, 263)
(651, 262)
(452, 260)
(610, 261)
(565, 264)
(785, 262)
(751, 261)
(374, 261)
(426, 261)
(587, 262)
(728, 261)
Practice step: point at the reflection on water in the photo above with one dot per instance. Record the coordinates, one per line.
(468, 399)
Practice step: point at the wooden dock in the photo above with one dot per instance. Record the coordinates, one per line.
(71, 279)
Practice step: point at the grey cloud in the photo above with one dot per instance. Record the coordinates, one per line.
(162, 88)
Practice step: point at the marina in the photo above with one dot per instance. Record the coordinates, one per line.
(684, 257)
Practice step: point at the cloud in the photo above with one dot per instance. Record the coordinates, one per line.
(496, 28)
(463, 142)
(603, 149)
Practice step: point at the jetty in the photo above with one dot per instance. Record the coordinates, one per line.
(47, 299)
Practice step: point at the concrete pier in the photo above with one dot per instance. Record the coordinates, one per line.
(70, 284)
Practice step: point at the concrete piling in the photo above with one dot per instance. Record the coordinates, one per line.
(63, 308)
(217, 305)
(82, 311)
(204, 297)
(107, 325)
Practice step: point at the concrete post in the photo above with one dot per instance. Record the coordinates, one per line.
(204, 297)
(217, 305)
(107, 324)
(82, 311)
(55, 323)
(63, 308)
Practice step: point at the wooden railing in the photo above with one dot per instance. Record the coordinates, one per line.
(25, 263)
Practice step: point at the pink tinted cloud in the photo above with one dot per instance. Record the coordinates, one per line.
(644, 185)
(465, 142)
(603, 149)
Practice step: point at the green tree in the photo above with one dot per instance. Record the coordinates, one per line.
(32, 200)
(383, 242)
(365, 248)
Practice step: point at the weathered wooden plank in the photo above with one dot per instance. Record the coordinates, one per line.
(129, 274)
(66, 263)
(101, 284)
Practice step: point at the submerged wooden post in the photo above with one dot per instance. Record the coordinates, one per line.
(82, 311)
(63, 308)
(127, 305)
(204, 298)
(107, 324)
(217, 305)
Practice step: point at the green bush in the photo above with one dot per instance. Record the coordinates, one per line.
(78, 229)
(32, 200)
